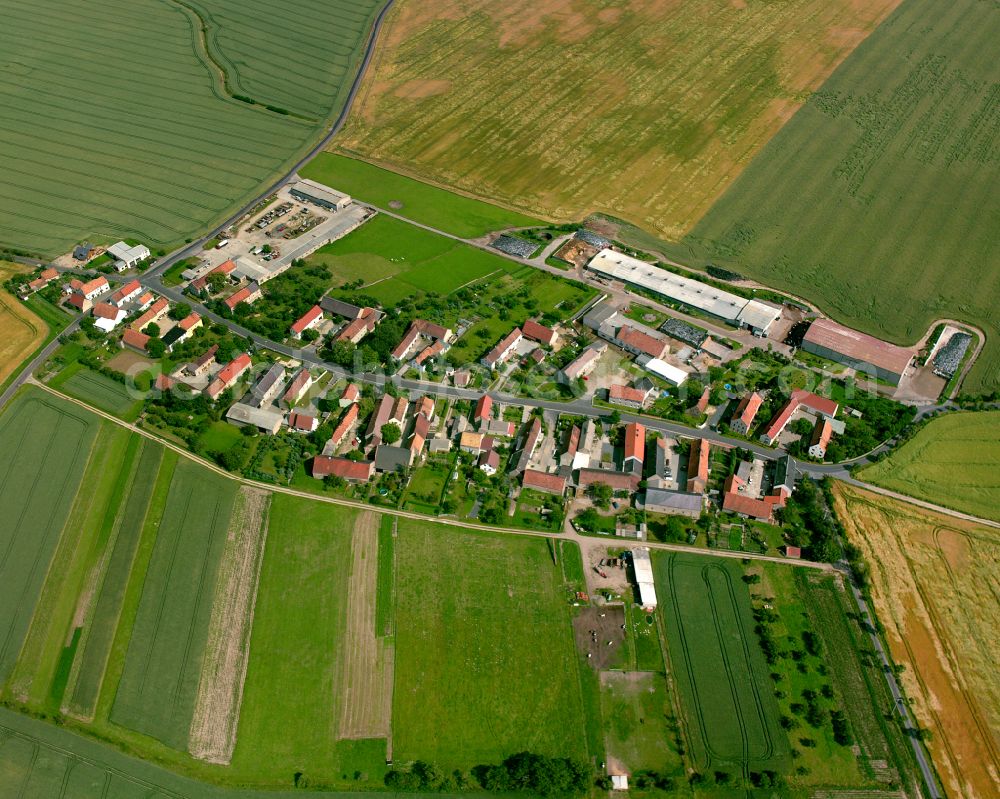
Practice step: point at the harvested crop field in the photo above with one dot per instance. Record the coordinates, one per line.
(951, 461)
(158, 149)
(936, 591)
(646, 111)
(364, 678)
(21, 332)
(878, 201)
(220, 689)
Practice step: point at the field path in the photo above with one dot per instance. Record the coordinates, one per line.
(364, 679)
(220, 690)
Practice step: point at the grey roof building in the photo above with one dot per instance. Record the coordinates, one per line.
(269, 385)
(391, 459)
(247, 415)
(659, 500)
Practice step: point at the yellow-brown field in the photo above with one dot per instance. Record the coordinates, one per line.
(20, 330)
(645, 110)
(936, 588)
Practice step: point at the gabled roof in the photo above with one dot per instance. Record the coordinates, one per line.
(483, 408)
(747, 409)
(342, 467)
(635, 441)
(538, 332)
(308, 318)
(543, 481)
(189, 322)
(429, 329)
(505, 343)
(303, 422)
(636, 339)
(134, 338)
(698, 464)
(104, 310)
(346, 422)
(626, 394)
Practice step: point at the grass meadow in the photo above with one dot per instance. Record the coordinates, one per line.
(636, 709)
(161, 671)
(396, 259)
(934, 588)
(730, 711)
(951, 461)
(644, 111)
(442, 209)
(157, 150)
(46, 443)
(878, 200)
(485, 661)
(97, 390)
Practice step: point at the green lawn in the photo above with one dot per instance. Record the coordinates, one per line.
(636, 711)
(485, 661)
(951, 461)
(163, 665)
(288, 719)
(46, 444)
(878, 199)
(421, 202)
(394, 259)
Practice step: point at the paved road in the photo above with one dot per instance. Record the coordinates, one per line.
(26, 373)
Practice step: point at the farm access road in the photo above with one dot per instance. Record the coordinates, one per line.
(582, 540)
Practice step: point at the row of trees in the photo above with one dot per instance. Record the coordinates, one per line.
(525, 771)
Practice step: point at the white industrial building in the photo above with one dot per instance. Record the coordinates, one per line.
(752, 314)
(318, 194)
(663, 370)
(642, 564)
(126, 257)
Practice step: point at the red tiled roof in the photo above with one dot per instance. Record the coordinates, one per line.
(698, 463)
(538, 332)
(822, 433)
(635, 441)
(92, 285)
(155, 310)
(351, 393)
(747, 409)
(748, 506)
(346, 422)
(430, 351)
(483, 408)
(134, 338)
(702, 402)
(542, 481)
(643, 342)
(406, 343)
(129, 288)
(626, 393)
(799, 397)
(342, 467)
(235, 299)
(189, 322)
(77, 301)
(507, 341)
(429, 329)
(858, 346)
(618, 481)
(365, 322)
(228, 375)
(307, 319)
(225, 268)
(301, 421)
(164, 382)
(49, 274)
(103, 310)
(426, 407)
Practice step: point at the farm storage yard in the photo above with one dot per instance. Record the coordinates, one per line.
(878, 200)
(951, 461)
(646, 111)
(158, 148)
(934, 584)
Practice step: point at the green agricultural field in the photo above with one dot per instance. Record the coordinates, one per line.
(289, 701)
(951, 461)
(160, 678)
(878, 200)
(485, 660)
(302, 60)
(730, 713)
(636, 710)
(46, 443)
(158, 150)
(97, 390)
(442, 209)
(646, 111)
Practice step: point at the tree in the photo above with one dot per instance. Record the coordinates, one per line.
(588, 519)
(155, 348)
(614, 417)
(310, 335)
(216, 282)
(342, 353)
(152, 330)
(179, 311)
(600, 493)
(334, 481)
(390, 433)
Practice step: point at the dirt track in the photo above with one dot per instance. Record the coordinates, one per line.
(220, 691)
(366, 661)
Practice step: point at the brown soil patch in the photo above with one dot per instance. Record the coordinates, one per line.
(936, 589)
(364, 679)
(416, 89)
(220, 690)
(21, 332)
(128, 362)
(593, 628)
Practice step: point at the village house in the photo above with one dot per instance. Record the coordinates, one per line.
(350, 470)
(496, 357)
(745, 413)
(698, 466)
(308, 321)
(228, 375)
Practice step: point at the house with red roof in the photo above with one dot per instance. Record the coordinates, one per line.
(484, 410)
(628, 397)
(298, 387)
(745, 413)
(698, 466)
(248, 294)
(503, 350)
(94, 288)
(352, 471)
(535, 331)
(308, 321)
(351, 395)
(130, 291)
(107, 316)
(637, 342)
(302, 422)
(203, 362)
(343, 427)
(135, 339)
(820, 439)
(543, 481)
(228, 375)
(154, 314)
(635, 447)
(355, 330)
(800, 399)
(617, 481)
